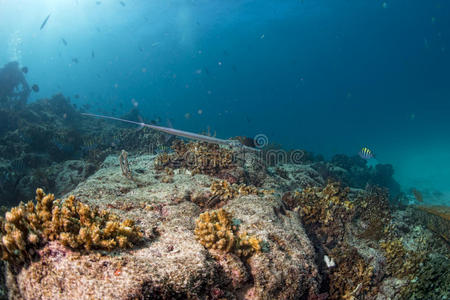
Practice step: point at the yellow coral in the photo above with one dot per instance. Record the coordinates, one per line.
(401, 262)
(71, 222)
(214, 230)
(226, 191)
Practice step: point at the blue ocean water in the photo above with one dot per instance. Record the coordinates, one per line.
(326, 76)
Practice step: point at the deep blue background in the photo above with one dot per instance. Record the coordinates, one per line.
(328, 76)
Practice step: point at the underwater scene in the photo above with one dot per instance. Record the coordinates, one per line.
(211, 149)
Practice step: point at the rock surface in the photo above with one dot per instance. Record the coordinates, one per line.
(171, 263)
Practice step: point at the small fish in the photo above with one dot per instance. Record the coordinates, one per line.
(366, 153)
(98, 2)
(64, 41)
(75, 60)
(45, 22)
(35, 88)
(122, 3)
(76, 96)
(18, 166)
(89, 144)
(25, 70)
(93, 54)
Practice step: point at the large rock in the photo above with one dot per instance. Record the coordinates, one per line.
(171, 263)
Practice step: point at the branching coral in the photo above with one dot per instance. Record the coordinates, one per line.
(200, 158)
(215, 230)
(74, 224)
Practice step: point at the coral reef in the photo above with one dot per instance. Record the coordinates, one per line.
(280, 232)
(215, 230)
(49, 139)
(175, 265)
(28, 226)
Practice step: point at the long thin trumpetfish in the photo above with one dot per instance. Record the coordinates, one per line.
(176, 132)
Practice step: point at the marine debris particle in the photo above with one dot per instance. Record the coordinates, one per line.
(200, 158)
(29, 226)
(215, 230)
(124, 165)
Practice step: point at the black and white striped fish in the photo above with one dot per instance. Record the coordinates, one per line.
(366, 153)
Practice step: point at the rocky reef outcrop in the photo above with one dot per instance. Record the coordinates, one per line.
(284, 233)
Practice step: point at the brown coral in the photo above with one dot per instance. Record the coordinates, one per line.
(199, 158)
(326, 211)
(373, 210)
(352, 278)
(401, 262)
(74, 224)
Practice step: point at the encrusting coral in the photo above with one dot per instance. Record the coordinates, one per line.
(28, 226)
(215, 230)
